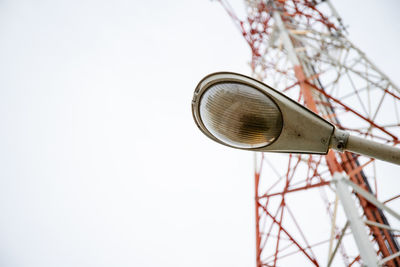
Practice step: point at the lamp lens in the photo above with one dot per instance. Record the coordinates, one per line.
(240, 116)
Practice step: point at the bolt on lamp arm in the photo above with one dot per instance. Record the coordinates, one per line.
(343, 141)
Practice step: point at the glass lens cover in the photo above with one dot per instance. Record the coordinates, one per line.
(240, 115)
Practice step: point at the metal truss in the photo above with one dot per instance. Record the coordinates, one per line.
(301, 48)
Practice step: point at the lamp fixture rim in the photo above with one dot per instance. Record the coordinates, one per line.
(201, 89)
(232, 77)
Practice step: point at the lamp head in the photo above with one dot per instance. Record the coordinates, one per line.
(240, 112)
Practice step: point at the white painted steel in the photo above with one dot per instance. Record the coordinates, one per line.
(342, 141)
(382, 261)
(372, 199)
(373, 149)
(332, 255)
(286, 40)
(384, 226)
(365, 247)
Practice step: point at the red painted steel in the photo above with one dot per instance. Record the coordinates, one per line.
(302, 17)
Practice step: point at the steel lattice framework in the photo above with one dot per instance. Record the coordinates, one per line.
(300, 47)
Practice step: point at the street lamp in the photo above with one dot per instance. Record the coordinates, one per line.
(241, 112)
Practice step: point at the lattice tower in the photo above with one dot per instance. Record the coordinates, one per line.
(300, 47)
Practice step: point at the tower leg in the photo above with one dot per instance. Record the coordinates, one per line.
(367, 252)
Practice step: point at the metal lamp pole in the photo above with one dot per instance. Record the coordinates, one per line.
(342, 141)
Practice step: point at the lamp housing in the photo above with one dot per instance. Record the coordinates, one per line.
(241, 112)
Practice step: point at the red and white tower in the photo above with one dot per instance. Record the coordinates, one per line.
(300, 48)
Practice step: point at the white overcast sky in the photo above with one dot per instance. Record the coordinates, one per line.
(101, 163)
